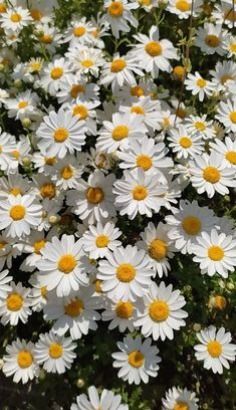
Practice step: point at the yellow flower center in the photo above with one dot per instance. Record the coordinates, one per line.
(220, 302)
(74, 308)
(211, 174)
(17, 212)
(15, 191)
(185, 142)
(79, 31)
(120, 132)
(181, 405)
(214, 348)
(67, 172)
(158, 249)
(16, 17)
(124, 310)
(182, 5)
(87, 63)
(179, 72)
(95, 195)
(38, 245)
(159, 310)
(191, 225)
(153, 48)
(14, 153)
(144, 2)
(139, 193)
(201, 82)
(48, 190)
(46, 39)
(144, 162)
(233, 116)
(215, 253)
(14, 302)
(76, 89)
(3, 8)
(36, 14)
(44, 292)
(116, 9)
(50, 160)
(55, 350)
(118, 65)
(125, 272)
(80, 111)
(24, 359)
(231, 157)
(22, 104)
(136, 109)
(2, 245)
(61, 134)
(102, 241)
(232, 47)
(67, 263)
(35, 66)
(225, 78)
(98, 285)
(137, 91)
(56, 73)
(212, 41)
(136, 359)
(200, 126)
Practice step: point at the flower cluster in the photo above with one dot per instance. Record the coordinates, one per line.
(117, 190)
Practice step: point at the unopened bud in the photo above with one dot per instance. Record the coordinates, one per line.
(26, 122)
(80, 383)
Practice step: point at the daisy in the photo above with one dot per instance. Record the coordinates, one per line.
(187, 223)
(227, 114)
(125, 274)
(200, 126)
(45, 188)
(15, 19)
(33, 245)
(216, 253)
(224, 76)
(106, 401)
(8, 251)
(55, 353)
(183, 144)
(76, 314)
(85, 111)
(61, 266)
(229, 44)
(121, 314)
(117, 133)
(139, 193)
(14, 185)
(18, 214)
(119, 15)
(38, 294)
(73, 87)
(209, 39)
(227, 149)
(224, 13)
(152, 53)
(23, 106)
(184, 8)
(60, 133)
(19, 361)
(159, 247)
(99, 240)
(5, 280)
(147, 108)
(85, 60)
(15, 306)
(215, 349)
(137, 360)
(8, 162)
(177, 398)
(162, 313)
(210, 174)
(67, 173)
(79, 31)
(53, 74)
(199, 86)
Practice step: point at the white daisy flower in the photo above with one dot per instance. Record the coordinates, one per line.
(99, 240)
(19, 361)
(61, 266)
(227, 114)
(177, 398)
(184, 8)
(8, 251)
(5, 280)
(38, 294)
(224, 76)
(145, 107)
(14, 185)
(229, 45)
(121, 314)
(85, 60)
(183, 144)
(199, 86)
(106, 401)
(53, 75)
(24, 105)
(215, 349)
(73, 87)
(139, 193)
(67, 173)
(209, 39)
(33, 245)
(137, 360)
(200, 126)
(119, 15)
(216, 253)
(8, 162)
(18, 214)
(15, 306)
(227, 148)
(79, 31)
(55, 353)
(125, 274)
(15, 19)
(210, 174)
(162, 313)
(60, 133)
(85, 111)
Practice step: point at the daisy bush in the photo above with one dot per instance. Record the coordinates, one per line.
(117, 204)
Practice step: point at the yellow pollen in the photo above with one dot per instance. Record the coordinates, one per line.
(185, 142)
(225, 78)
(55, 350)
(220, 302)
(74, 308)
(22, 104)
(36, 14)
(17, 212)
(144, 2)
(87, 63)
(98, 287)
(231, 157)
(136, 359)
(232, 47)
(124, 310)
(116, 9)
(46, 39)
(67, 263)
(214, 348)
(200, 126)
(2, 245)
(38, 245)
(212, 41)
(215, 253)
(44, 292)
(79, 31)
(50, 160)
(120, 132)
(191, 225)
(56, 73)
(233, 116)
(136, 109)
(140, 193)
(95, 195)
(102, 241)
(118, 65)
(80, 111)
(201, 83)
(24, 359)
(15, 154)
(125, 272)
(16, 191)
(48, 190)
(159, 310)
(153, 48)
(16, 17)
(144, 162)
(76, 89)
(137, 91)
(158, 249)
(14, 302)
(181, 405)
(182, 5)
(3, 8)
(61, 134)
(211, 174)
(67, 172)
(35, 66)
(179, 72)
